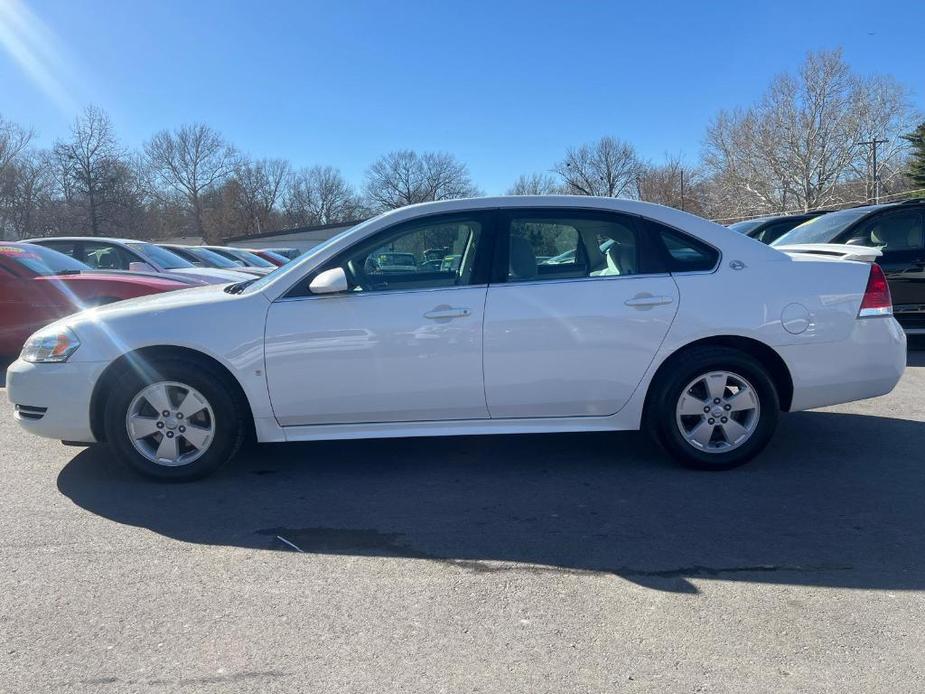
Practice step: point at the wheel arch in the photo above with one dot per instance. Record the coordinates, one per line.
(777, 368)
(139, 360)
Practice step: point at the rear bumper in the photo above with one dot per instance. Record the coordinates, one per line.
(868, 363)
(53, 400)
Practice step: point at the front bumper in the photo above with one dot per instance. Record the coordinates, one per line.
(868, 363)
(53, 400)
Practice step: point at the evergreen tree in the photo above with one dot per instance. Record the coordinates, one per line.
(916, 167)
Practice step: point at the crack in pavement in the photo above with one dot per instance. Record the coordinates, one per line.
(366, 542)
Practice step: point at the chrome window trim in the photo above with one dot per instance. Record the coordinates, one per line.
(386, 292)
(571, 280)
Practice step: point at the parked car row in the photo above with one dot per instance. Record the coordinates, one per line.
(45, 279)
(39, 285)
(893, 234)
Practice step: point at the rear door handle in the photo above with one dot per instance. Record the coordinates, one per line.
(447, 312)
(647, 301)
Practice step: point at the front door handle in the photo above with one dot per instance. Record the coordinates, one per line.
(447, 312)
(648, 301)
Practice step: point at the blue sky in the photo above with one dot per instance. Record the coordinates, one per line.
(505, 86)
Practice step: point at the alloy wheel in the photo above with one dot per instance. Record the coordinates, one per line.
(717, 412)
(170, 423)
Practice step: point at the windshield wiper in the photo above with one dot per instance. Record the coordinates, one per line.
(67, 272)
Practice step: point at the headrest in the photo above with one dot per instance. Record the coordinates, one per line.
(523, 259)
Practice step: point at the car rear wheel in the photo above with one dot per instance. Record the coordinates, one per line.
(715, 409)
(174, 420)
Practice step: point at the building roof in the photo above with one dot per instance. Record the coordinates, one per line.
(295, 230)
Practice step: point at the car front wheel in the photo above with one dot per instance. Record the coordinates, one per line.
(716, 409)
(173, 420)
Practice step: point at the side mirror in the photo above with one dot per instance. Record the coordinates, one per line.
(138, 266)
(331, 281)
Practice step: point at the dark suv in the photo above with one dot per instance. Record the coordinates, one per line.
(769, 229)
(898, 230)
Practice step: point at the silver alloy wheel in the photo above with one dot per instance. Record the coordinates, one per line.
(717, 412)
(170, 423)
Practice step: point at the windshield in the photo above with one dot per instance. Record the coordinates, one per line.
(42, 261)
(160, 257)
(249, 258)
(211, 258)
(257, 285)
(747, 225)
(279, 258)
(822, 229)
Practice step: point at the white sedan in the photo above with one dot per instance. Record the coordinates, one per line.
(506, 315)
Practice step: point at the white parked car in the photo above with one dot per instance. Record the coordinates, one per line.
(659, 320)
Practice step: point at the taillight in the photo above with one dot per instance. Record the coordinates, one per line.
(877, 300)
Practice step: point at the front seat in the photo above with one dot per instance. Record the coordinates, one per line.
(523, 259)
(106, 262)
(897, 235)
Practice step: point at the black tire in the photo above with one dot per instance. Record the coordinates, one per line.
(229, 420)
(661, 418)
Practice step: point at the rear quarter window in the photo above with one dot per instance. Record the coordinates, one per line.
(681, 252)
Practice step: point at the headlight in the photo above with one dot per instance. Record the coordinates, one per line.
(50, 345)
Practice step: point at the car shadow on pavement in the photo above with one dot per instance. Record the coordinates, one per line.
(836, 500)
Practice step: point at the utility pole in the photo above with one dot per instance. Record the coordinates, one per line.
(682, 189)
(873, 144)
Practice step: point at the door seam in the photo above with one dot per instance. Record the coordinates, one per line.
(484, 384)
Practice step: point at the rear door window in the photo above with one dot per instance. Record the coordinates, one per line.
(892, 232)
(682, 252)
(554, 245)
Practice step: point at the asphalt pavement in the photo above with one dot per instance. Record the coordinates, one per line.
(542, 563)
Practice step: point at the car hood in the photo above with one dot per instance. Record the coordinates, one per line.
(205, 318)
(142, 277)
(153, 281)
(255, 271)
(212, 275)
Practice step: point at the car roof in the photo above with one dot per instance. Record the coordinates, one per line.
(785, 217)
(107, 239)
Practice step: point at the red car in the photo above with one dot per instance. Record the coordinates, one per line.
(271, 257)
(39, 285)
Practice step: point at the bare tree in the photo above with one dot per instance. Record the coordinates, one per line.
(536, 184)
(190, 162)
(884, 112)
(672, 184)
(90, 168)
(27, 190)
(13, 140)
(260, 188)
(797, 147)
(405, 177)
(320, 195)
(608, 168)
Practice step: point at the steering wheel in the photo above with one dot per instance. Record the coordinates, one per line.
(359, 278)
(371, 265)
